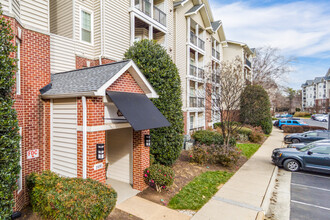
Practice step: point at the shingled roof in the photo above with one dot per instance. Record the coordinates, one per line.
(194, 9)
(216, 25)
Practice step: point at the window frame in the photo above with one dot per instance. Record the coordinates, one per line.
(83, 9)
(18, 65)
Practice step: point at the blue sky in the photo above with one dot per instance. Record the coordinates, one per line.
(298, 28)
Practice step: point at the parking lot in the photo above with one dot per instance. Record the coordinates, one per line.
(316, 123)
(310, 196)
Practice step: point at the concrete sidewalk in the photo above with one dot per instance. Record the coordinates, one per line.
(247, 194)
(147, 210)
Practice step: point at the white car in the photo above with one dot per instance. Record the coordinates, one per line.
(323, 118)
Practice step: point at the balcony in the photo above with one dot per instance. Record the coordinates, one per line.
(193, 102)
(200, 102)
(193, 70)
(201, 73)
(159, 16)
(215, 54)
(247, 62)
(144, 6)
(193, 39)
(201, 44)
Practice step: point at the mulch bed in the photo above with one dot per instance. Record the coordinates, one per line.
(184, 173)
(116, 214)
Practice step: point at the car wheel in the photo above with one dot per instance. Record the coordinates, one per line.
(295, 140)
(324, 120)
(291, 165)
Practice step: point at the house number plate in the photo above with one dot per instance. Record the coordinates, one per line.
(98, 166)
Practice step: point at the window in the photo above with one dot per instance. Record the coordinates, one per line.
(19, 181)
(289, 122)
(312, 134)
(191, 121)
(295, 122)
(18, 72)
(86, 26)
(321, 150)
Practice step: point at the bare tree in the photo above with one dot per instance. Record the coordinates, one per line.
(269, 66)
(225, 102)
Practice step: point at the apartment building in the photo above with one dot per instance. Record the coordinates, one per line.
(316, 94)
(70, 71)
(198, 50)
(235, 49)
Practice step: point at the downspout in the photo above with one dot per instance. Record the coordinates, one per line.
(102, 32)
(84, 106)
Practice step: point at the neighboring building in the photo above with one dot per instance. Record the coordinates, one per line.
(235, 49)
(67, 104)
(316, 94)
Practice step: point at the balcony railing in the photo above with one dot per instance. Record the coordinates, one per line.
(200, 102)
(193, 70)
(144, 6)
(159, 16)
(193, 38)
(201, 44)
(193, 102)
(201, 73)
(247, 62)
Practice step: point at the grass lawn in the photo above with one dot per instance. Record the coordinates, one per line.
(196, 193)
(248, 149)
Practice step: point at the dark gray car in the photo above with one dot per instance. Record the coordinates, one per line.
(307, 137)
(301, 145)
(312, 157)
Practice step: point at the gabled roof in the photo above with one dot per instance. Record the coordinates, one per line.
(179, 3)
(318, 79)
(309, 82)
(244, 45)
(194, 9)
(328, 73)
(216, 25)
(93, 81)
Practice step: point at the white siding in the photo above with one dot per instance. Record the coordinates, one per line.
(64, 137)
(117, 28)
(5, 5)
(119, 154)
(61, 17)
(62, 54)
(34, 14)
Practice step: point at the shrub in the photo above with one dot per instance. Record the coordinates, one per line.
(226, 155)
(244, 130)
(301, 114)
(157, 66)
(274, 119)
(312, 128)
(159, 176)
(255, 108)
(256, 135)
(207, 137)
(199, 154)
(9, 131)
(292, 129)
(56, 197)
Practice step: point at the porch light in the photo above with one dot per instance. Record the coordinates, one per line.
(147, 140)
(100, 151)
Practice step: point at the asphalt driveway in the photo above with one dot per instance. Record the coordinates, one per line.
(310, 196)
(316, 123)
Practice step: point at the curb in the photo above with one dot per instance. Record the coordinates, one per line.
(266, 200)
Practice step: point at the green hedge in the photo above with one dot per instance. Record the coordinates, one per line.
(208, 137)
(255, 108)
(9, 130)
(158, 67)
(55, 197)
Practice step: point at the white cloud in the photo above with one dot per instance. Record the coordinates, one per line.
(298, 28)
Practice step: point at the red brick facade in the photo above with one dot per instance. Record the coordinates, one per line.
(34, 114)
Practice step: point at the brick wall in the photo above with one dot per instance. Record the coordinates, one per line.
(33, 113)
(140, 159)
(81, 62)
(126, 83)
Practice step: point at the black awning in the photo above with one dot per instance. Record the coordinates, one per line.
(139, 111)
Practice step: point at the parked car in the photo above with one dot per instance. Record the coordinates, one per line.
(316, 115)
(301, 145)
(323, 118)
(290, 122)
(286, 116)
(307, 137)
(313, 157)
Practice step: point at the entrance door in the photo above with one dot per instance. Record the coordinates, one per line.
(119, 154)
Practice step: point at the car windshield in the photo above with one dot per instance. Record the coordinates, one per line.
(307, 147)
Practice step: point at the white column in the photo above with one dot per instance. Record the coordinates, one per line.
(188, 29)
(84, 106)
(132, 28)
(151, 32)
